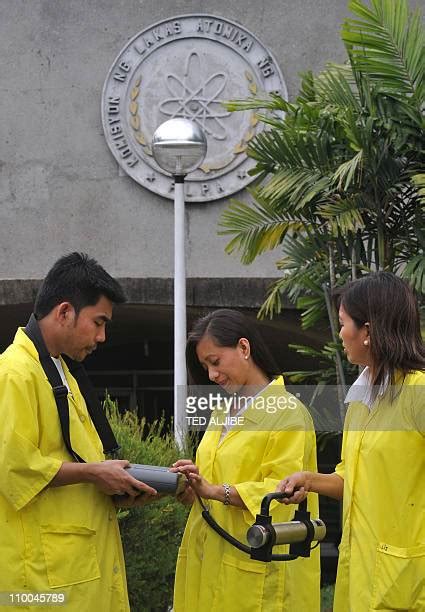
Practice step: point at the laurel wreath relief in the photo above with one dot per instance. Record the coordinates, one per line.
(239, 148)
(135, 117)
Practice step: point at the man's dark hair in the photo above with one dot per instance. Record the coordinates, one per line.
(78, 279)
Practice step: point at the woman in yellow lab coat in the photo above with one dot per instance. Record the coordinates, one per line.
(237, 463)
(381, 476)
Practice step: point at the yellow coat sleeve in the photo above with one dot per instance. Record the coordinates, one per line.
(25, 471)
(340, 467)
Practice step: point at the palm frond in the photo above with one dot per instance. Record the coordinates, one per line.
(307, 91)
(419, 181)
(347, 172)
(273, 303)
(255, 227)
(304, 268)
(343, 215)
(387, 44)
(294, 188)
(414, 272)
(292, 148)
(272, 102)
(334, 86)
(313, 309)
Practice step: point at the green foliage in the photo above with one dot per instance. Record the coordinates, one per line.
(341, 169)
(327, 597)
(151, 534)
(325, 359)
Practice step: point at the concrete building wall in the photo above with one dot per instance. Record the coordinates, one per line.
(60, 187)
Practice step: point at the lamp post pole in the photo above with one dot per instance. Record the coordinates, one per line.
(180, 391)
(179, 146)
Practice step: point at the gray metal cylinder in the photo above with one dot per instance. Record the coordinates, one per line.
(285, 533)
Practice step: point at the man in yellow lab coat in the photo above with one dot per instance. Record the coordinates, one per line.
(59, 533)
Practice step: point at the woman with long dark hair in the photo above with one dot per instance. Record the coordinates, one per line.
(381, 476)
(236, 465)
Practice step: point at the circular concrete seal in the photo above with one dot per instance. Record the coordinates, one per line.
(187, 66)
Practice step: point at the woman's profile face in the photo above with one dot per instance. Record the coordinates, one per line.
(226, 366)
(355, 340)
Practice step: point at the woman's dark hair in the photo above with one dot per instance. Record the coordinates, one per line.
(390, 307)
(79, 280)
(226, 327)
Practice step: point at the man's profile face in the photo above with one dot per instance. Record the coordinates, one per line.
(85, 330)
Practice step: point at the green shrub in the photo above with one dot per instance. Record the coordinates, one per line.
(151, 534)
(327, 597)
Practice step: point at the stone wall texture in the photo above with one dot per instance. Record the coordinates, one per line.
(60, 187)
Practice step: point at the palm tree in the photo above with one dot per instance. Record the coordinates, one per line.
(341, 182)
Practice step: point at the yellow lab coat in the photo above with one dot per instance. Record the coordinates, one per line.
(211, 574)
(382, 552)
(64, 539)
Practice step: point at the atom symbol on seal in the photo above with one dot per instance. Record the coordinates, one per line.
(195, 100)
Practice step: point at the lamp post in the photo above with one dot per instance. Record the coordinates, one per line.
(179, 147)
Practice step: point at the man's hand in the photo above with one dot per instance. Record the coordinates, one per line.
(124, 501)
(109, 476)
(112, 478)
